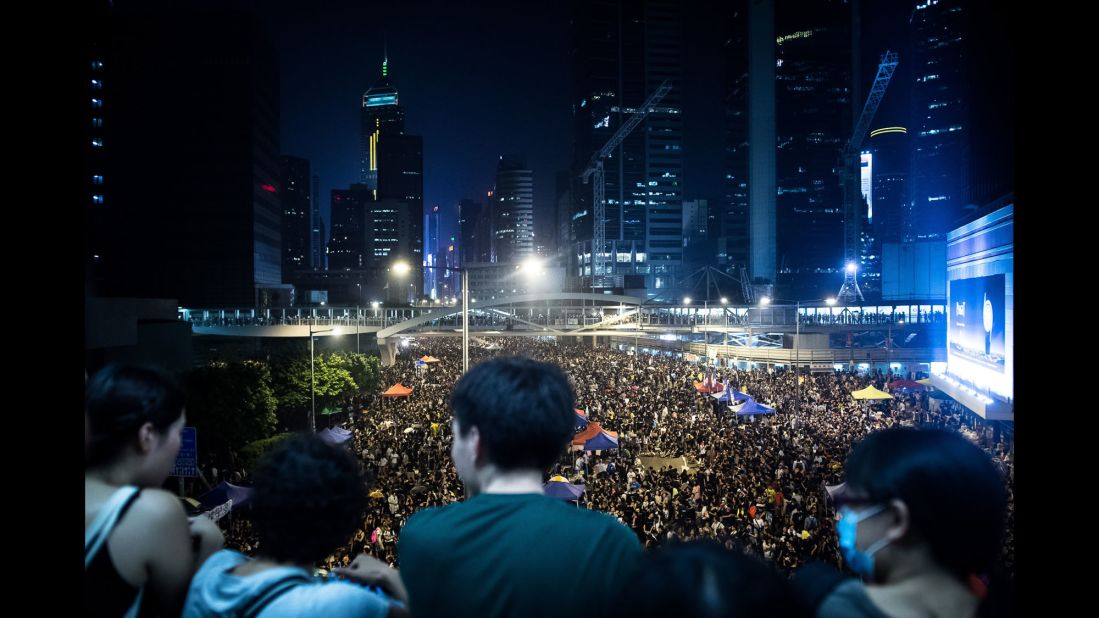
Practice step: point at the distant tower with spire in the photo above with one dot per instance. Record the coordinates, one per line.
(381, 115)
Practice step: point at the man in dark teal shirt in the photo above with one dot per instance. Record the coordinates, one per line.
(509, 550)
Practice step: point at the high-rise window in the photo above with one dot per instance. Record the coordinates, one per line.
(97, 122)
(97, 85)
(97, 142)
(97, 103)
(97, 199)
(97, 179)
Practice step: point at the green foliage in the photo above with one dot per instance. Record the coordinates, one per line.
(254, 451)
(365, 370)
(334, 382)
(231, 404)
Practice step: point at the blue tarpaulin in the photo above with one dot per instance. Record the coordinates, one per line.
(730, 395)
(334, 435)
(753, 407)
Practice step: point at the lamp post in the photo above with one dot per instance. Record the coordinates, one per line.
(313, 379)
(797, 342)
(402, 268)
(725, 341)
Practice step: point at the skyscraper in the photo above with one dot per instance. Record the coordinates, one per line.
(433, 275)
(296, 211)
(513, 210)
(472, 240)
(889, 147)
(730, 218)
(392, 162)
(317, 237)
(195, 217)
(813, 112)
(347, 246)
(623, 51)
(962, 125)
(381, 114)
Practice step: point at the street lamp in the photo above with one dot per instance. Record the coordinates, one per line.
(402, 268)
(797, 341)
(724, 310)
(312, 376)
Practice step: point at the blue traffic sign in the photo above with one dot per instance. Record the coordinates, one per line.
(187, 459)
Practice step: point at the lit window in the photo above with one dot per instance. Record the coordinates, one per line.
(97, 142)
(97, 179)
(97, 103)
(97, 122)
(97, 199)
(97, 65)
(97, 85)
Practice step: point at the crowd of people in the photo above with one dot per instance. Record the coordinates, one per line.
(753, 483)
(686, 468)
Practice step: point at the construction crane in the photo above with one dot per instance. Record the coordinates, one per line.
(849, 177)
(595, 167)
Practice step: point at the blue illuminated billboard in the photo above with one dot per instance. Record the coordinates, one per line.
(977, 320)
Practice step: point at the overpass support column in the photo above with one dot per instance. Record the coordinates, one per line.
(387, 350)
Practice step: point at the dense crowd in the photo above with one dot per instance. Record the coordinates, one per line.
(757, 483)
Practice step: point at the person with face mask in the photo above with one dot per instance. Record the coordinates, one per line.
(919, 517)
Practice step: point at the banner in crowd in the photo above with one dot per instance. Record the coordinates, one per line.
(220, 511)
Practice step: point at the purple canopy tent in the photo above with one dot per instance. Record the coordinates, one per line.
(563, 490)
(222, 493)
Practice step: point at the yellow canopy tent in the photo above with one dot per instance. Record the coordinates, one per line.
(871, 393)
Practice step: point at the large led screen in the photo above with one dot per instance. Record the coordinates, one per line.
(977, 320)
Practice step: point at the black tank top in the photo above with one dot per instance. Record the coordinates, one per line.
(105, 592)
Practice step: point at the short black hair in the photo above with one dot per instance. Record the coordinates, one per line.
(119, 399)
(702, 579)
(955, 495)
(522, 408)
(307, 499)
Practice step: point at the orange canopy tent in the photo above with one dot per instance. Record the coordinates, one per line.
(593, 429)
(716, 388)
(397, 390)
(430, 359)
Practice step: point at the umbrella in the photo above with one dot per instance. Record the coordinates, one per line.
(418, 489)
(330, 411)
(906, 384)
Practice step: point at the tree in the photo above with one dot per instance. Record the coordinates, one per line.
(252, 452)
(231, 404)
(365, 370)
(291, 375)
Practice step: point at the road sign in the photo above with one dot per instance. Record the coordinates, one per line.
(187, 459)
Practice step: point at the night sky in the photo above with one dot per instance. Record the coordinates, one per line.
(477, 80)
(481, 79)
